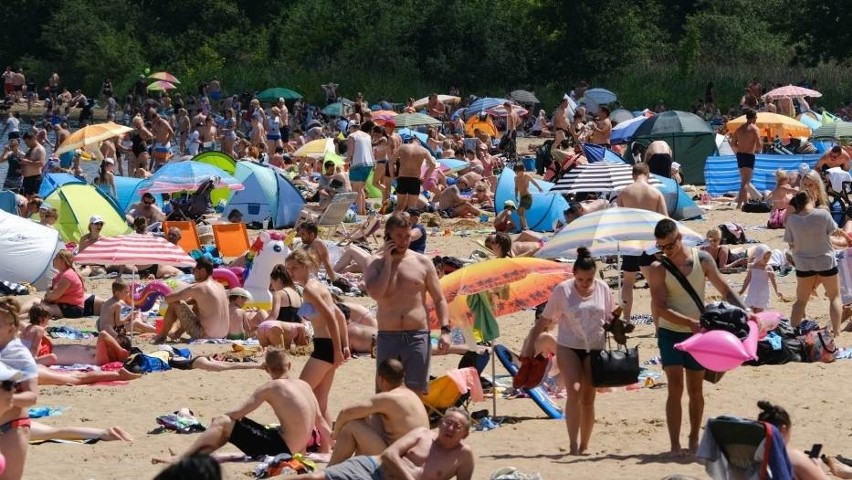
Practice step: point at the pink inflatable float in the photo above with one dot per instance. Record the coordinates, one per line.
(719, 350)
(226, 277)
(145, 296)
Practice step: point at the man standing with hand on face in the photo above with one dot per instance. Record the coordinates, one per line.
(398, 279)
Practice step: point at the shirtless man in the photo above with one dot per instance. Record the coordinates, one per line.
(601, 128)
(422, 454)
(308, 232)
(835, 157)
(369, 427)
(32, 165)
(522, 192)
(402, 319)
(183, 124)
(163, 135)
(294, 405)
(659, 158)
(451, 203)
(746, 143)
(201, 309)
(513, 123)
(147, 209)
(409, 179)
(640, 194)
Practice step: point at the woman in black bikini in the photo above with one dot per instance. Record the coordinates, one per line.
(725, 259)
(284, 325)
(331, 342)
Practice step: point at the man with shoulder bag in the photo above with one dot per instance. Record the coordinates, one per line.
(677, 280)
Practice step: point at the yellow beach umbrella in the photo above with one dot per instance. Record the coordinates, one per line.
(315, 148)
(91, 135)
(772, 125)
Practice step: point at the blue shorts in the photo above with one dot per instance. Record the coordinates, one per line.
(66, 159)
(360, 173)
(669, 355)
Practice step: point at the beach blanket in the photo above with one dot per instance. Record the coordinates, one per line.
(284, 464)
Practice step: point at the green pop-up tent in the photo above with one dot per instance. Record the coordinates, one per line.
(691, 139)
(76, 203)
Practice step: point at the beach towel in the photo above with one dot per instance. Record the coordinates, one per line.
(181, 421)
(40, 412)
(69, 333)
(12, 288)
(142, 363)
(284, 464)
(467, 379)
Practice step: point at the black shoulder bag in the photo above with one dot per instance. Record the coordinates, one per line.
(709, 375)
(615, 368)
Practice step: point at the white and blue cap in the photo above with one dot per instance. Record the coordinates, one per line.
(804, 168)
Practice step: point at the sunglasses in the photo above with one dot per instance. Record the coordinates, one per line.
(8, 385)
(147, 202)
(669, 246)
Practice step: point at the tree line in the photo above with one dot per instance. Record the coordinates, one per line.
(395, 48)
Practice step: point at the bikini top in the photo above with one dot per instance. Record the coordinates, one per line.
(289, 313)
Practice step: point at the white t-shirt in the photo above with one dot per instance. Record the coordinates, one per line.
(13, 125)
(18, 357)
(581, 319)
(193, 143)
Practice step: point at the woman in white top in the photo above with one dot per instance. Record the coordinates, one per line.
(582, 307)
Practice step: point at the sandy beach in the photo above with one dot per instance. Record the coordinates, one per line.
(630, 434)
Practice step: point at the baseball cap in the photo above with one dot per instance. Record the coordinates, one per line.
(96, 219)
(675, 166)
(7, 373)
(45, 206)
(239, 292)
(109, 161)
(509, 203)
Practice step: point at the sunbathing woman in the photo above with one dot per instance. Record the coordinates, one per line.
(804, 468)
(106, 350)
(48, 376)
(725, 259)
(502, 246)
(283, 326)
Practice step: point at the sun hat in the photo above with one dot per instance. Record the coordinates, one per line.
(509, 203)
(96, 219)
(109, 161)
(239, 292)
(45, 206)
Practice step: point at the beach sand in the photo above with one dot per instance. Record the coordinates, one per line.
(630, 435)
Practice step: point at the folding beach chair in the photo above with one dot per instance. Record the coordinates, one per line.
(444, 392)
(188, 234)
(366, 230)
(231, 239)
(333, 215)
(746, 445)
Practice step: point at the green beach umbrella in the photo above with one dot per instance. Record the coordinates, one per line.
(273, 94)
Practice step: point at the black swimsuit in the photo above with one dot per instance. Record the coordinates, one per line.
(289, 313)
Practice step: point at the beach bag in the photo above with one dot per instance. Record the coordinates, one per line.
(732, 233)
(12, 288)
(817, 345)
(756, 206)
(615, 368)
(724, 316)
(777, 218)
(709, 375)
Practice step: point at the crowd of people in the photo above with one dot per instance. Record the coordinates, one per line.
(388, 434)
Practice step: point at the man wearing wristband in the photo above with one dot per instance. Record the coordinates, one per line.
(398, 279)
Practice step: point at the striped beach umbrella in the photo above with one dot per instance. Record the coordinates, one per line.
(597, 177)
(614, 231)
(134, 249)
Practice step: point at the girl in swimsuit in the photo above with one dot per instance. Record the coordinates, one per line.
(16, 395)
(331, 342)
(283, 326)
(381, 173)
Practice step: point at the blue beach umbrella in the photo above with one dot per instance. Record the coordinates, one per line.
(624, 131)
(601, 96)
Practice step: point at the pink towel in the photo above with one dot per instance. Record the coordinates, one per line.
(467, 379)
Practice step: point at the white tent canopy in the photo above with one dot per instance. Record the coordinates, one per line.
(27, 250)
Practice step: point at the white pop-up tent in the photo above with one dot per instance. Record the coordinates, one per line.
(27, 250)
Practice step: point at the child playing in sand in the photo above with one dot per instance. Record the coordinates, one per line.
(242, 321)
(522, 192)
(757, 280)
(34, 336)
(111, 318)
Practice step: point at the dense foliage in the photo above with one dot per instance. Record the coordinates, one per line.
(395, 48)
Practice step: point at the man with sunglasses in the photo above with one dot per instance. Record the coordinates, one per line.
(147, 208)
(676, 316)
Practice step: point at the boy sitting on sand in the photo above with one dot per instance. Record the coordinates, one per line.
(242, 322)
(111, 318)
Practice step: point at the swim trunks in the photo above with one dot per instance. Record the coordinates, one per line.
(359, 174)
(256, 440)
(161, 151)
(408, 186)
(356, 468)
(323, 350)
(31, 185)
(745, 160)
(273, 136)
(669, 355)
(189, 320)
(413, 349)
(70, 311)
(525, 202)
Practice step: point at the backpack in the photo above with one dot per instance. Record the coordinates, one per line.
(543, 158)
(724, 316)
(732, 233)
